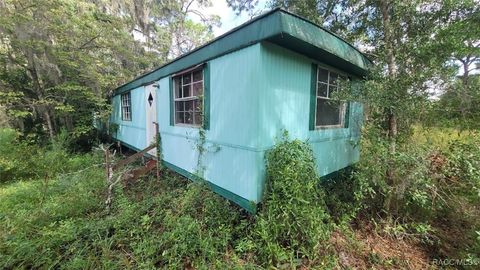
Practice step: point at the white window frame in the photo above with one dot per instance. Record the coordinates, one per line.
(343, 104)
(126, 105)
(189, 98)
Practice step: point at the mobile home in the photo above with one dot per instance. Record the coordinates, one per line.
(220, 107)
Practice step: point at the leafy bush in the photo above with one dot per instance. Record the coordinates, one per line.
(15, 158)
(293, 222)
(435, 184)
(343, 193)
(20, 160)
(44, 223)
(59, 220)
(199, 229)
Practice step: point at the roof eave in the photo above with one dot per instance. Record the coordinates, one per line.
(295, 33)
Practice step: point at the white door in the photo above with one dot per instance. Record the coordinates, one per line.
(151, 115)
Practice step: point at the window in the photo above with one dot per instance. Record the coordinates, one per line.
(329, 113)
(126, 107)
(188, 98)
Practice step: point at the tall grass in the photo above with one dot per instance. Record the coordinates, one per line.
(21, 160)
(59, 221)
(53, 214)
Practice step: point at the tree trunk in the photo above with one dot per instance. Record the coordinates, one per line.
(464, 100)
(48, 120)
(391, 200)
(32, 69)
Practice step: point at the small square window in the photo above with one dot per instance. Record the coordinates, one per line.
(197, 105)
(186, 91)
(178, 87)
(328, 112)
(188, 105)
(189, 118)
(179, 117)
(332, 79)
(187, 78)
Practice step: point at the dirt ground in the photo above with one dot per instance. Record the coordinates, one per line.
(366, 249)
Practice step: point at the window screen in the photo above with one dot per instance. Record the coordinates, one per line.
(126, 107)
(188, 94)
(329, 112)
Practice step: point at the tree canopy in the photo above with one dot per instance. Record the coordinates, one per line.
(60, 59)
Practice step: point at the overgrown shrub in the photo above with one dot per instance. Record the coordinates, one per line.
(12, 168)
(21, 160)
(435, 184)
(342, 195)
(199, 228)
(46, 224)
(57, 220)
(293, 222)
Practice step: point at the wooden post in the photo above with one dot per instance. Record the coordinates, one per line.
(119, 146)
(107, 163)
(109, 172)
(157, 143)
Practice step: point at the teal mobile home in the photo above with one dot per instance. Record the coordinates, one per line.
(235, 95)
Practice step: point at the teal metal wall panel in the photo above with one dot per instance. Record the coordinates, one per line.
(232, 160)
(131, 132)
(286, 80)
(255, 94)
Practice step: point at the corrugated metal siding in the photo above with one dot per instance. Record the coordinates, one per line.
(232, 158)
(285, 106)
(255, 92)
(131, 132)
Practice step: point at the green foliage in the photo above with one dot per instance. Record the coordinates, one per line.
(199, 230)
(440, 181)
(60, 59)
(64, 225)
(458, 105)
(293, 222)
(345, 195)
(426, 172)
(20, 160)
(44, 222)
(61, 221)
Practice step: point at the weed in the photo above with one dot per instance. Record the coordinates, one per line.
(293, 222)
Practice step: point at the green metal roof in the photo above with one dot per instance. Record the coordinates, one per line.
(277, 26)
